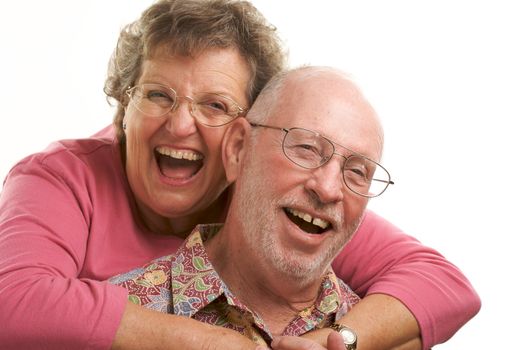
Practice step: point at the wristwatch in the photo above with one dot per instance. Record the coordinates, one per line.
(349, 336)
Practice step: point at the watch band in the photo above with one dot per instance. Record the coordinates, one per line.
(349, 336)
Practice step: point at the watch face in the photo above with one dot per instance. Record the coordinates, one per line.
(348, 336)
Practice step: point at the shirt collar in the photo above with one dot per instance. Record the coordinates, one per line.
(195, 283)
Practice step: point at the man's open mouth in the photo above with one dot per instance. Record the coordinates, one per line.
(306, 222)
(177, 164)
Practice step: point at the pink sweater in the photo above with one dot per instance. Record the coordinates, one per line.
(67, 224)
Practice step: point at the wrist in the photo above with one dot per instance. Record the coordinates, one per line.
(319, 335)
(348, 335)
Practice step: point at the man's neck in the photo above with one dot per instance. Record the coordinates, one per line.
(275, 297)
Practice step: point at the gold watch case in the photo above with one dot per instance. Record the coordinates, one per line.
(349, 336)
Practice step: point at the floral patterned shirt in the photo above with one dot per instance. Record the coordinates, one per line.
(186, 284)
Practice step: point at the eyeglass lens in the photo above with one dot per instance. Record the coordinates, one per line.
(211, 109)
(311, 150)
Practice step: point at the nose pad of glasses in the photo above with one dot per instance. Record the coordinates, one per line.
(191, 106)
(192, 109)
(325, 159)
(178, 121)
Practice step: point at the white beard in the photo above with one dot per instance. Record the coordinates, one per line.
(258, 210)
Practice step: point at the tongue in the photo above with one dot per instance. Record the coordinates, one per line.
(178, 168)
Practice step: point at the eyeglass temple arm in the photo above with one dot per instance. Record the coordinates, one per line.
(256, 125)
(386, 182)
(286, 130)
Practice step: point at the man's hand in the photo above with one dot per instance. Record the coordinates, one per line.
(334, 342)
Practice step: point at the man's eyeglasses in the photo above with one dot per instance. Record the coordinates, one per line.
(310, 150)
(156, 100)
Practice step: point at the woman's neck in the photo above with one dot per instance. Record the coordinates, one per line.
(183, 226)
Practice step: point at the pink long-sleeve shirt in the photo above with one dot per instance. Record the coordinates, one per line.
(67, 223)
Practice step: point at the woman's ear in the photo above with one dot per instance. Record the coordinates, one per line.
(123, 123)
(234, 146)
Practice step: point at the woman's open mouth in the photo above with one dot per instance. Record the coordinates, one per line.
(178, 164)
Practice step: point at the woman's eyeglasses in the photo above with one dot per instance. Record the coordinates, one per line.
(211, 109)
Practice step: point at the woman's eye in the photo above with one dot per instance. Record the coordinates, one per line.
(154, 95)
(215, 105)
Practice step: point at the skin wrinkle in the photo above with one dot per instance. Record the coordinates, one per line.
(278, 266)
(250, 194)
(252, 169)
(169, 206)
(265, 107)
(209, 75)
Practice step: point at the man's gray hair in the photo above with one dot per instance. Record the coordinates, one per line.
(269, 98)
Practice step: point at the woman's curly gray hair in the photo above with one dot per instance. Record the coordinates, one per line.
(188, 27)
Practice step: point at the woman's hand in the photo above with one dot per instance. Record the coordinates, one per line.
(397, 329)
(145, 329)
(334, 341)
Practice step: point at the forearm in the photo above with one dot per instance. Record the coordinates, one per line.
(396, 328)
(144, 329)
(54, 313)
(381, 259)
(411, 345)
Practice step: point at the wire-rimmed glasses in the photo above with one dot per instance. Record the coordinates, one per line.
(310, 150)
(207, 108)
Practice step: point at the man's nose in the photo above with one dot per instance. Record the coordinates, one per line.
(327, 182)
(180, 121)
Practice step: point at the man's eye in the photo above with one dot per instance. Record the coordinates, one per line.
(307, 147)
(356, 172)
(305, 150)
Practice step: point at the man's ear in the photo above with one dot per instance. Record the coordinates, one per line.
(234, 146)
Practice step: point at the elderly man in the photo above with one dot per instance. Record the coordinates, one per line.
(301, 185)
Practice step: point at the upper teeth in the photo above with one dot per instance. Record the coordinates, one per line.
(188, 155)
(306, 217)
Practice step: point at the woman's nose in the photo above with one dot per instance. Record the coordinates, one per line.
(180, 121)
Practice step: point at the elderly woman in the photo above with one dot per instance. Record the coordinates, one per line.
(84, 210)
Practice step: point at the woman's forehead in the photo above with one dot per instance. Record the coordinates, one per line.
(224, 70)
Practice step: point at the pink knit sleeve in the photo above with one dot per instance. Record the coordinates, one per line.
(44, 233)
(380, 258)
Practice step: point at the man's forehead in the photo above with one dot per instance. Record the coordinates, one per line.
(343, 117)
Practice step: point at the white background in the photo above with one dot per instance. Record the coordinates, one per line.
(449, 79)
